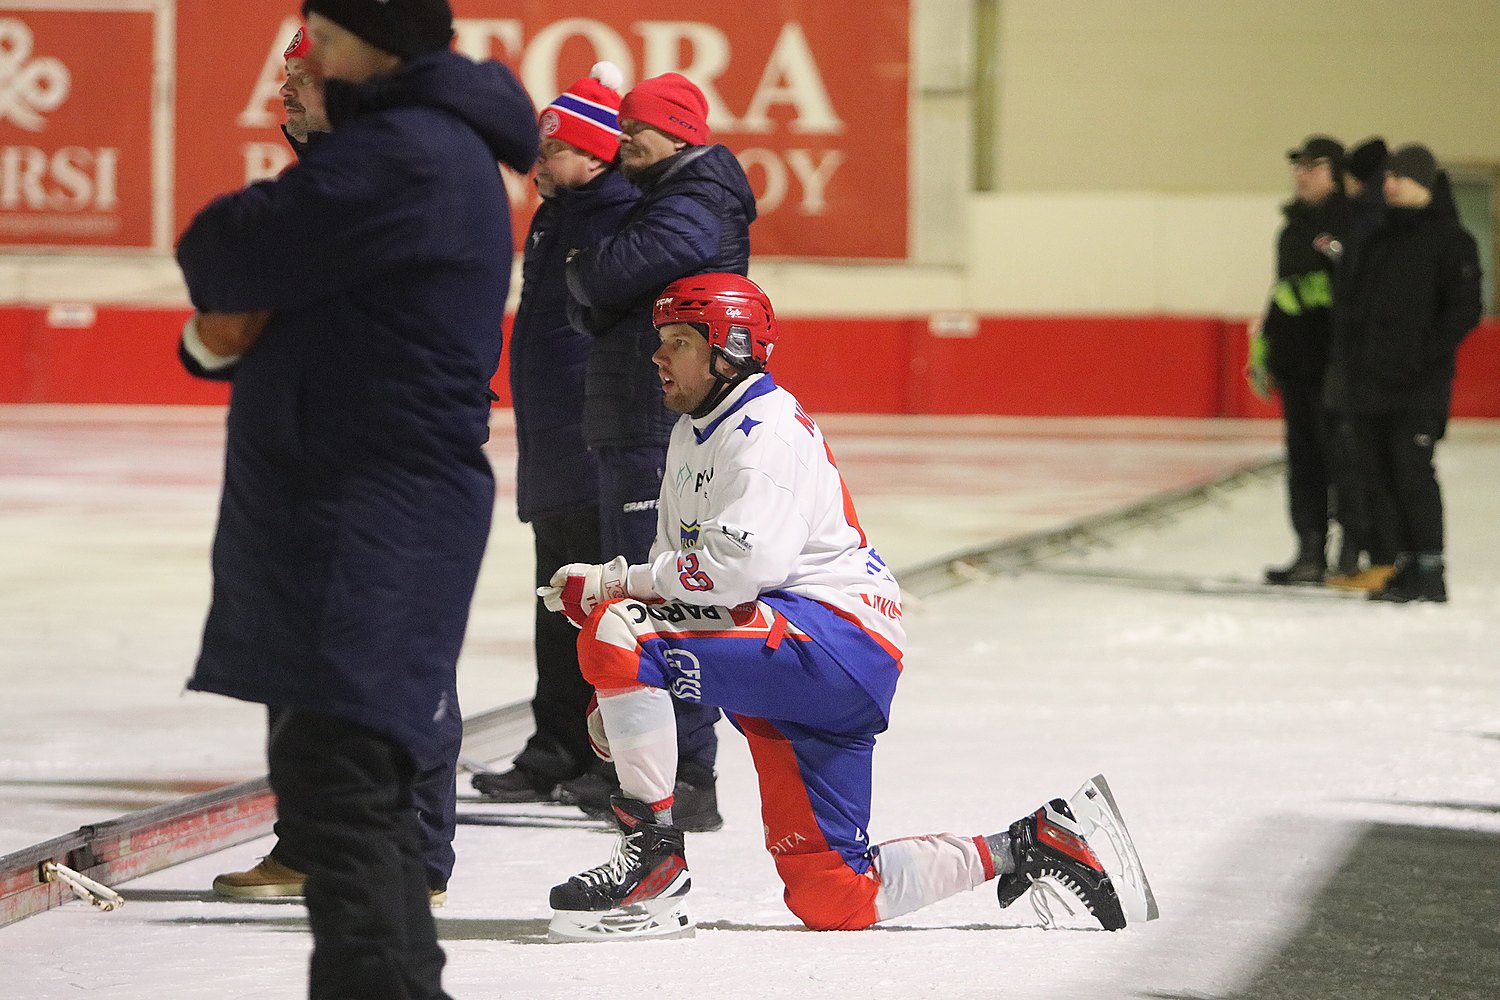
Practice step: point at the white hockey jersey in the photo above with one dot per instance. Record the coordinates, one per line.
(752, 502)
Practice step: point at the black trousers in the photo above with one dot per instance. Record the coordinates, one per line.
(1365, 508)
(1307, 464)
(435, 798)
(559, 749)
(1397, 450)
(344, 795)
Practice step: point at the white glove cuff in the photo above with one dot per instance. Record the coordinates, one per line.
(638, 581)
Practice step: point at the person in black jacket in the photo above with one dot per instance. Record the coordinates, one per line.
(1413, 297)
(1367, 549)
(1295, 345)
(357, 495)
(584, 200)
(693, 217)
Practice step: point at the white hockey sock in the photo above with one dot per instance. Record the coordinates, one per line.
(642, 731)
(916, 871)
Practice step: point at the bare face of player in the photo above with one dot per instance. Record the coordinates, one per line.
(682, 362)
(560, 165)
(302, 97)
(642, 146)
(339, 54)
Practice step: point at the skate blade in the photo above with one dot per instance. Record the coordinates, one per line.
(660, 919)
(1097, 813)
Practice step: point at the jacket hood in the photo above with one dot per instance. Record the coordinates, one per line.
(707, 163)
(485, 96)
(1442, 205)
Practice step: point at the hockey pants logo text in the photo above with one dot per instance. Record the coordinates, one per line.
(687, 684)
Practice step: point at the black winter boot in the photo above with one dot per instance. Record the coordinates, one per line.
(1417, 578)
(1310, 566)
(695, 799)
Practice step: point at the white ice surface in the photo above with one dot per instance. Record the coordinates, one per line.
(1247, 738)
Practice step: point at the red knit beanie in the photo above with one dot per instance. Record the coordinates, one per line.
(584, 115)
(669, 103)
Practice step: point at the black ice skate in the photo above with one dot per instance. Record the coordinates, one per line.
(1053, 844)
(640, 892)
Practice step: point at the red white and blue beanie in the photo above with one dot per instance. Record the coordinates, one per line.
(299, 46)
(585, 116)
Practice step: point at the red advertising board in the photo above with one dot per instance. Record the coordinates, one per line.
(812, 100)
(76, 124)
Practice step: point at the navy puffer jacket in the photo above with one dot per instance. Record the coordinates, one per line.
(554, 471)
(693, 218)
(357, 499)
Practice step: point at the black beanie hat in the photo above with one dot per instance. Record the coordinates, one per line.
(1367, 160)
(405, 28)
(1416, 162)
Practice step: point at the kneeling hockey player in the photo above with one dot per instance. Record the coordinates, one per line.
(763, 597)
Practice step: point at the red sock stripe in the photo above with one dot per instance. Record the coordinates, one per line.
(986, 859)
(661, 805)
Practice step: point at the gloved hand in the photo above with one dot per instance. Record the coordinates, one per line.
(1256, 373)
(578, 588)
(598, 739)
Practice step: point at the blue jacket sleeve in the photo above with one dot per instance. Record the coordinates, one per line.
(676, 236)
(339, 218)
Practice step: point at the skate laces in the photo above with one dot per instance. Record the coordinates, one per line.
(1042, 895)
(614, 871)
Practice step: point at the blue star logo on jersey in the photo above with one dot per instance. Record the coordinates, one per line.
(747, 425)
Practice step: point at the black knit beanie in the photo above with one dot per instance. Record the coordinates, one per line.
(1367, 160)
(404, 28)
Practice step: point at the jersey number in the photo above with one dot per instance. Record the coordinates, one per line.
(690, 576)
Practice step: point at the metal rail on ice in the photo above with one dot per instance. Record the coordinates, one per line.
(140, 843)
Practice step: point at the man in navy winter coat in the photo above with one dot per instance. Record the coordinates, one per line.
(693, 217)
(282, 872)
(584, 199)
(357, 497)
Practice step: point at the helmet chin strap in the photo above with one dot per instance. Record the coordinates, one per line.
(723, 384)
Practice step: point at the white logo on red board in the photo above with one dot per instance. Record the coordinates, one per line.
(29, 88)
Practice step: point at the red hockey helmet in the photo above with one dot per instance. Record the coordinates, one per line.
(730, 310)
